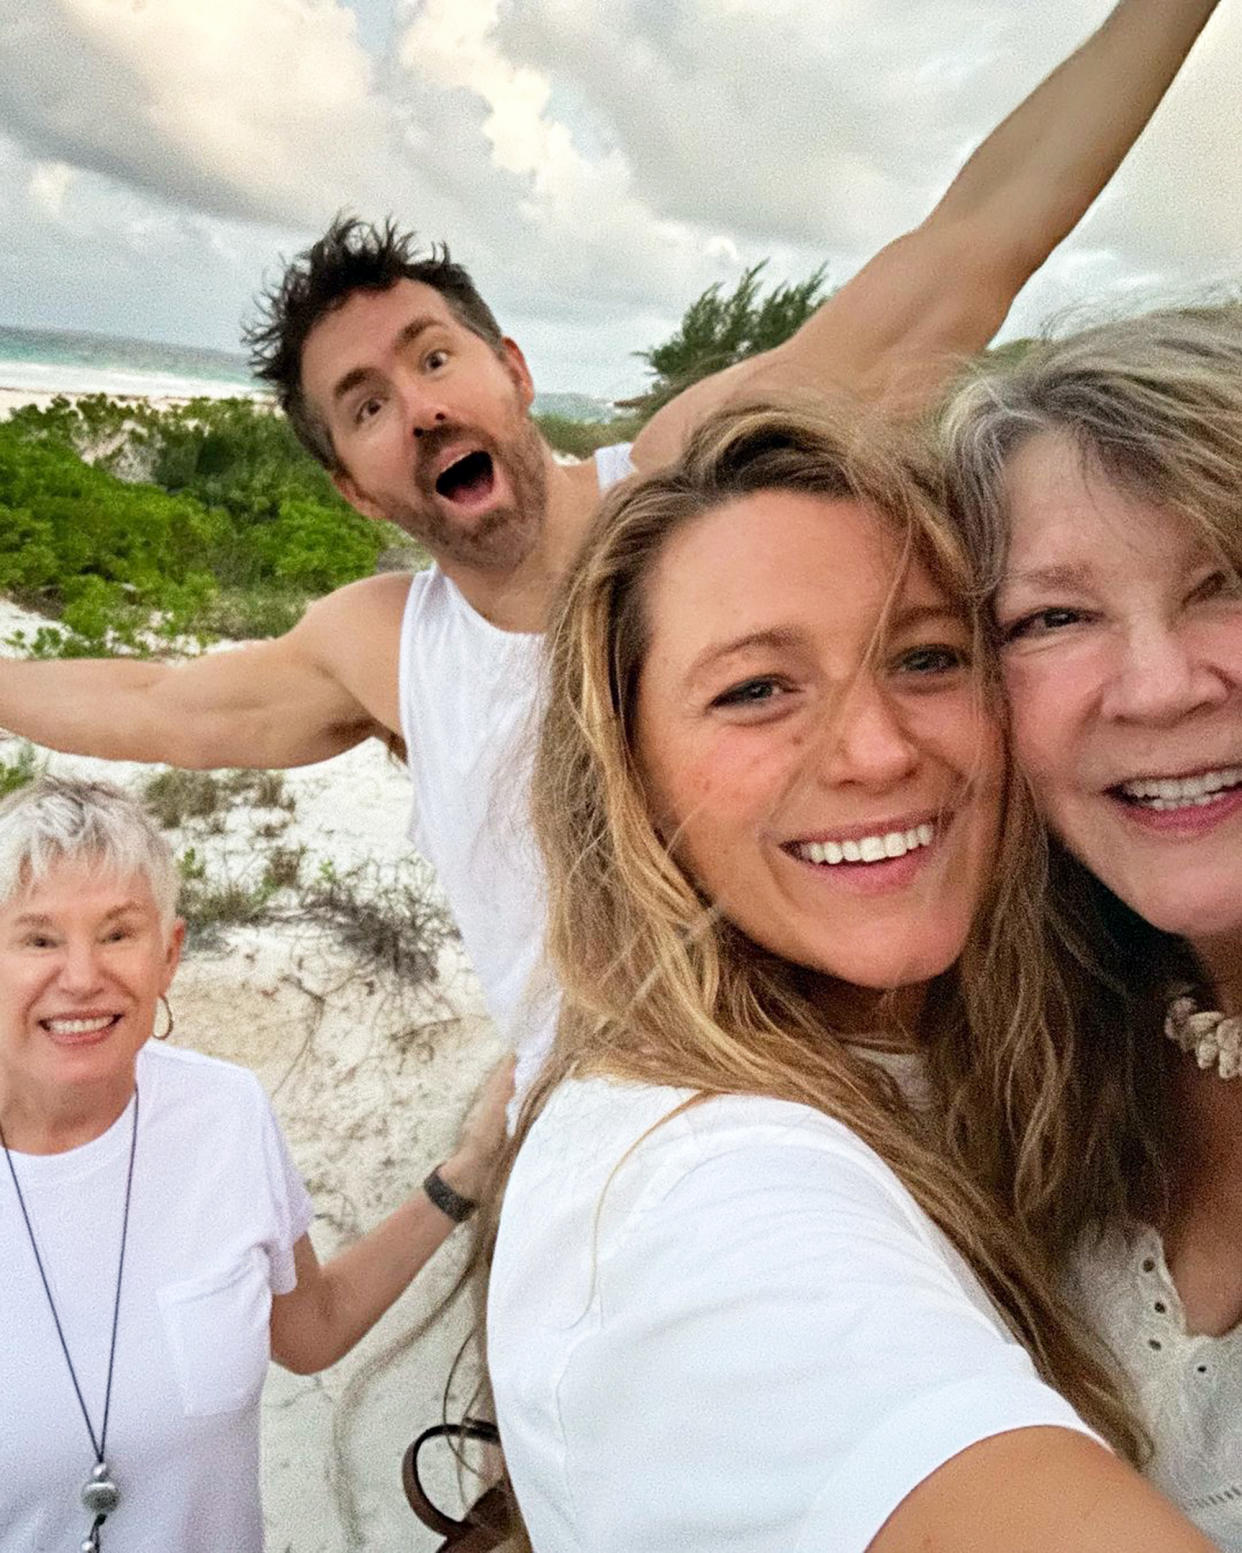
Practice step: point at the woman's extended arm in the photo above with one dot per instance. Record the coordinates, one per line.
(1037, 1491)
(338, 1302)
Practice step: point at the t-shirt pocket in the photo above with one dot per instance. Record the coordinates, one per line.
(219, 1334)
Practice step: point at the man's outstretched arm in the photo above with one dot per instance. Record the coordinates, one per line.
(940, 292)
(299, 698)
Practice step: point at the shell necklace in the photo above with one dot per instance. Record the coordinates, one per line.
(1213, 1037)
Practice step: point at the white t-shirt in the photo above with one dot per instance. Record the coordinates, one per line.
(1189, 1386)
(737, 1330)
(469, 699)
(216, 1209)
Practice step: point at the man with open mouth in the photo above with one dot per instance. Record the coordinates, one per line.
(397, 377)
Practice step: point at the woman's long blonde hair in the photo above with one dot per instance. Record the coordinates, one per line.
(1154, 405)
(660, 988)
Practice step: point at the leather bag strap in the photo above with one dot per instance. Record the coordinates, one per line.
(487, 1523)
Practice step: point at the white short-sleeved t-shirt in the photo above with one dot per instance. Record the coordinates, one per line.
(216, 1209)
(735, 1330)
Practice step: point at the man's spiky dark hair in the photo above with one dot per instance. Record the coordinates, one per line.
(351, 256)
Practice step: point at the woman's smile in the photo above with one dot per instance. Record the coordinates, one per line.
(1186, 805)
(80, 1029)
(871, 859)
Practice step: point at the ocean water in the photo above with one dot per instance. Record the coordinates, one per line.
(55, 361)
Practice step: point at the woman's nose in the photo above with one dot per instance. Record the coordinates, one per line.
(865, 741)
(1160, 676)
(79, 968)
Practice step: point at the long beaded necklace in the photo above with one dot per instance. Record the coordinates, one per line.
(100, 1494)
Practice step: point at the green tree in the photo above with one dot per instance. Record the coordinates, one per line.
(722, 327)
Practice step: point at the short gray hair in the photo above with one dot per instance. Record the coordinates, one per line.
(54, 820)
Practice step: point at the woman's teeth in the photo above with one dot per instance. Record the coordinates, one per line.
(866, 849)
(1182, 792)
(79, 1026)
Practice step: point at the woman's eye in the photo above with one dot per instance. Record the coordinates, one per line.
(436, 359)
(1220, 585)
(937, 659)
(751, 692)
(1041, 622)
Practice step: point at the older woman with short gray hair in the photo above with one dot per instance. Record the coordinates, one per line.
(153, 1228)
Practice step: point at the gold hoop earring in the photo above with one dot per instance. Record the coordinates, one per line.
(162, 1035)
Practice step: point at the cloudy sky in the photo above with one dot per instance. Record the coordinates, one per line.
(596, 163)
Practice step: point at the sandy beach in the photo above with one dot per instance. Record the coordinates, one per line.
(14, 398)
(14, 395)
(369, 1081)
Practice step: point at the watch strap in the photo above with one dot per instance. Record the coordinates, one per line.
(457, 1207)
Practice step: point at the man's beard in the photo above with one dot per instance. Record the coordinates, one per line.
(503, 536)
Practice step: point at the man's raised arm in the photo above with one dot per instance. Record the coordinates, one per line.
(285, 702)
(941, 291)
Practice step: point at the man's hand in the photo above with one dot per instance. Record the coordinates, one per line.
(336, 1302)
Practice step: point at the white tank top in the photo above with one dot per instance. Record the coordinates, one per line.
(469, 699)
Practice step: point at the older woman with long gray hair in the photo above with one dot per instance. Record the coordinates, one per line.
(153, 1229)
(1097, 481)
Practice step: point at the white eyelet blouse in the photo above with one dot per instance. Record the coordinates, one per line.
(1188, 1386)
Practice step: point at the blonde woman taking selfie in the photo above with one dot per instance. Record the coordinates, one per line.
(743, 1294)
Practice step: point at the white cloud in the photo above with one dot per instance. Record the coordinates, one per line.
(595, 162)
(572, 221)
(801, 123)
(49, 182)
(258, 109)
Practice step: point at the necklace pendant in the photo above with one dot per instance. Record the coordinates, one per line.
(100, 1494)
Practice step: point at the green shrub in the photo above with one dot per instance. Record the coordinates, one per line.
(311, 549)
(132, 526)
(720, 328)
(265, 789)
(15, 773)
(385, 917)
(283, 869)
(581, 438)
(208, 907)
(246, 614)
